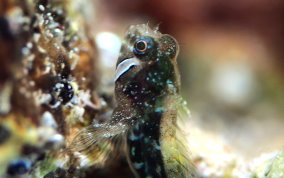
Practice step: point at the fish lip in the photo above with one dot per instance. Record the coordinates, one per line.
(125, 65)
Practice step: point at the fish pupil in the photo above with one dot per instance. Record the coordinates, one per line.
(141, 45)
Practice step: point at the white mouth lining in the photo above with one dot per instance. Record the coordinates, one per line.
(124, 66)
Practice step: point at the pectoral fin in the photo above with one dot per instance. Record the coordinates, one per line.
(96, 143)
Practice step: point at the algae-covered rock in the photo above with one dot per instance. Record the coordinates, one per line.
(48, 81)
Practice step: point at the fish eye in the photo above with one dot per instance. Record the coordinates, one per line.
(141, 46)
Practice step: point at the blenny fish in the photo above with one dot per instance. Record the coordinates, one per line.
(147, 85)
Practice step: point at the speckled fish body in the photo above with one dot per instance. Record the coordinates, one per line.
(147, 88)
(150, 88)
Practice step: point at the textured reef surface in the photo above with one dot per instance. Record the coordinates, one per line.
(48, 85)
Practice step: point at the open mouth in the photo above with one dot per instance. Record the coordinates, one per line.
(126, 65)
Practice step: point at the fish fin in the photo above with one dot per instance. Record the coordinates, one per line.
(176, 148)
(184, 114)
(95, 144)
(182, 144)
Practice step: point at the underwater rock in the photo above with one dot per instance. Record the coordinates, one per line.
(48, 83)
